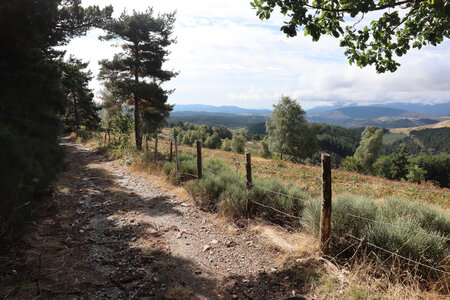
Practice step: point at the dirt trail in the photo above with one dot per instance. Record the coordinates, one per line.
(109, 234)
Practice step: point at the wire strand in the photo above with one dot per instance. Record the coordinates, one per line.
(277, 193)
(277, 210)
(400, 256)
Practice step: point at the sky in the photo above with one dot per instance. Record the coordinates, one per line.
(226, 55)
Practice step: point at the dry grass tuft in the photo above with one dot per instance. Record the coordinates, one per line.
(157, 179)
(178, 292)
(297, 244)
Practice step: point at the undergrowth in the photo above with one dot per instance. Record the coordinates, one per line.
(417, 230)
(223, 190)
(412, 229)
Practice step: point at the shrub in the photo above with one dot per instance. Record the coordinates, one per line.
(416, 174)
(238, 143)
(232, 202)
(351, 164)
(226, 145)
(213, 141)
(292, 203)
(223, 190)
(188, 169)
(382, 166)
(217, 177)
(265, 152)
(415, 232)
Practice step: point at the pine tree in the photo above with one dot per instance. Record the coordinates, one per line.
(32, 99)
(81, 109)
(399, 168)
(135, 75)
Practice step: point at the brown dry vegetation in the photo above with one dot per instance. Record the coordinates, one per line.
(406, 131)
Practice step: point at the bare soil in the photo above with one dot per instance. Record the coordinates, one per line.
(107, 233)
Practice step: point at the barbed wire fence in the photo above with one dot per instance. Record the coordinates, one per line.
(325, 220)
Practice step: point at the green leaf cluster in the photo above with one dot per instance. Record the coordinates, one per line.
(403, 25)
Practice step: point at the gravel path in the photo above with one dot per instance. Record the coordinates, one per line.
(109, 234)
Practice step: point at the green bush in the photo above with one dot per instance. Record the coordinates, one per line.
(213, 141)
(217, 178)
(382, 166)
(226, 145)
(238, 143)
(232, 202)
(351, 164)
(188, 169)
(416, 174)
(292, 204)
(265, 152)
(223, 190)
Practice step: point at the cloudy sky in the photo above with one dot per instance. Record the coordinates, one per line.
(227, 56)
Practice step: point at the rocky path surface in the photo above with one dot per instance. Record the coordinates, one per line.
(109, 234)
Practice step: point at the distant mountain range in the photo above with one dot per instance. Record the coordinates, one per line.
(361, 116)
(403, 115)
(442, 109)
(220, 109)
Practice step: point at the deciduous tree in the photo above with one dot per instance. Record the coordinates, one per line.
(289, 133)
(367, 151)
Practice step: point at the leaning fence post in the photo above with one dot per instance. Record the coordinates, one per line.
(199, 160)
(170, 153)
(325, 217)
(156, 148)
(248, 168)
(176, 156)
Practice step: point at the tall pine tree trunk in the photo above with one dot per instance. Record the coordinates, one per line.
(156, 148)
(77, 118)
(137, 125)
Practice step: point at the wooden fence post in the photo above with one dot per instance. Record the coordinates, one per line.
(325, 217)
(249, 183)
(156, 148)
(170, 153)
(176, 156)
(199, 160)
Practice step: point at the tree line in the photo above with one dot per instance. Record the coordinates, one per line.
(287, 135)
(42, 94)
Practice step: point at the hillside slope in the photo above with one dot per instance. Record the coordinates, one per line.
(406, 131)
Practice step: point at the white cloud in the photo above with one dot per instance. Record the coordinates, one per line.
(226, 55)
